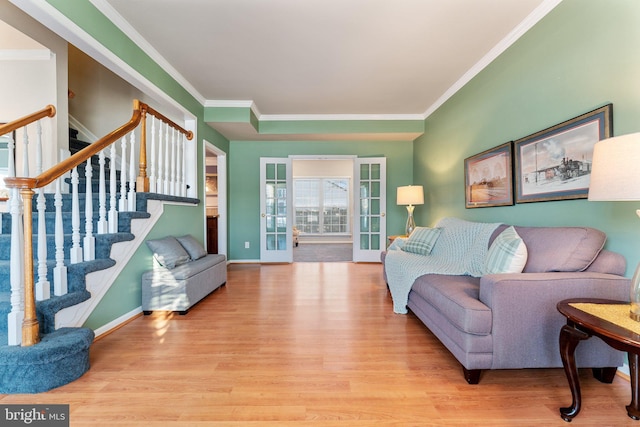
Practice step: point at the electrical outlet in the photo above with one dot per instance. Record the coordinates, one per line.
(246, 245)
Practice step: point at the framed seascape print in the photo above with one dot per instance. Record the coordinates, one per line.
(555, 163)
(488, 178)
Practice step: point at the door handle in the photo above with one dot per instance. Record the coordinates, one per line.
(263, 215)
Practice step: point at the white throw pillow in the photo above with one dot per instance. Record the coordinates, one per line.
(507, 254)
(421, 240)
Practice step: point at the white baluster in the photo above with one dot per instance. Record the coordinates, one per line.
(102, 226)
(42, 287)
(60, 270)
(131, 197)
(167, 142)
(159, 180)
(11, 145)
(123, 176)
(89, 241)
(113, 210)
(25, 152)
(16, 275)
(76, 249)
(152, 160)
(173, 162)
(183, 171)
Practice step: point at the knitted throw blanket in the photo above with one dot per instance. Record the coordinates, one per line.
(460, 250)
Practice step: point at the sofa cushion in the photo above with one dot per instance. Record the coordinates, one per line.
(507, 253)
(192, 246)
(560, 248)
(422, 240)
(186, 270)
(168, 251)
(457, 298)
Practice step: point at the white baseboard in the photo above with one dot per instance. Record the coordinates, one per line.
(114, 324)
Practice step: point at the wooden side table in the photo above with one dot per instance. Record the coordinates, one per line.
(392, 238)
(580, 326)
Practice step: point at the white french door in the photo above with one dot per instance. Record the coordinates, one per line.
(370, 205)
(276, 215)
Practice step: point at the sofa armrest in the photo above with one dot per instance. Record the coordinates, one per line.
(525, 321)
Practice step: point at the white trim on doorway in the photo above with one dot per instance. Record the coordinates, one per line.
(222, 192)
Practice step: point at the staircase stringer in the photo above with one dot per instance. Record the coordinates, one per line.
(99, 282)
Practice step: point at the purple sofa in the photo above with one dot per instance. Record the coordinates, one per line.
(510, 321)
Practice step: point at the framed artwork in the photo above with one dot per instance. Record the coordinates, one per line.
(488, 178)
(555, 163)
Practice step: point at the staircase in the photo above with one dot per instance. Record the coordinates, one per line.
(62, 355)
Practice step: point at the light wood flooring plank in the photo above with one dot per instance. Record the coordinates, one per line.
(308, 344)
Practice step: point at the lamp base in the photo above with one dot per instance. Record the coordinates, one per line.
(411, 225)
(634, 313)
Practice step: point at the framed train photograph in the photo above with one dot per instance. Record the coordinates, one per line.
(555, 163)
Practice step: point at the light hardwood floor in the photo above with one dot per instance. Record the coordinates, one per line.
(308, 344)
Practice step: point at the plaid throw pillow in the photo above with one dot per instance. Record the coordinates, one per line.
(507, 254)
(422, 240)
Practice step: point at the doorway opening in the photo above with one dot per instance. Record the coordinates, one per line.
(323, 209)
(215, 182)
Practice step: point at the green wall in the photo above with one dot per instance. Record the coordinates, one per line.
(124, 296)
(244, 179)
(582, 55)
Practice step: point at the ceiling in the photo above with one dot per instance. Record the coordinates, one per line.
(319, 59)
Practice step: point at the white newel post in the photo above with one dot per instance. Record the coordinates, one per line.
(60, 270)
(113, 210)
(183, 172)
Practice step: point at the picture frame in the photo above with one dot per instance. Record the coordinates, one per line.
(488, 177)
(555, 163)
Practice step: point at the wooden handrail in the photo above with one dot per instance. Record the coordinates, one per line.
(80, 157)
(48, 111)
(170, 122)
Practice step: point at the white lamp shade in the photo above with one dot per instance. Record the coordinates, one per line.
(410, 195)
(615, 172)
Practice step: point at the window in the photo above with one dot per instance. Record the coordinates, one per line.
(322, 205)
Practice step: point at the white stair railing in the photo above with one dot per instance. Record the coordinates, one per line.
(168, 176)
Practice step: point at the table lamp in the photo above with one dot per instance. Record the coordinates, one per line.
(410, 195)
(615, 176)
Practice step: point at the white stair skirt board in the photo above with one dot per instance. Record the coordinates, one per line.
(99, 282)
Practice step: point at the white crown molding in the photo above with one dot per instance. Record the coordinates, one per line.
(338, 117)
(25, 54)
(228, 103)
(124, 26)
(532, 19)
